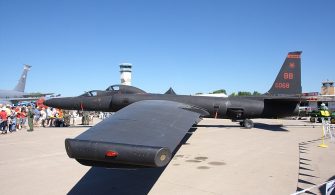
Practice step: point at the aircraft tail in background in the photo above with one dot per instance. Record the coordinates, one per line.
(288, 81)
(22, 81)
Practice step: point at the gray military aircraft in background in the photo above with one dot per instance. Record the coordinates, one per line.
(147, 128)
(18, 94)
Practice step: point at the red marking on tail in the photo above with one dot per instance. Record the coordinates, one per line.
(293, 56)
(292, 65)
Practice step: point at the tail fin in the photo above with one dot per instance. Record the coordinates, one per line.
(288, 80)
(22, 81)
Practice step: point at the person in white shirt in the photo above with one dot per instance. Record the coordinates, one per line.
(43, 116)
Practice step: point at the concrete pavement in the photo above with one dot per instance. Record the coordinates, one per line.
(219, 158)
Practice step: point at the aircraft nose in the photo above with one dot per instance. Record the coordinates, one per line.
(54, 102)
(63, 103)
(81, 103)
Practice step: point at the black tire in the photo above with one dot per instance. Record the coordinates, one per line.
(312, 119)
(242, 124)
(248, 124)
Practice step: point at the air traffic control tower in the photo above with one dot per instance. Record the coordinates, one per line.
(328, 88)
(125, 70)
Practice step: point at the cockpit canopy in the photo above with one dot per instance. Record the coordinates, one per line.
(94, 93)
(121, 89)
(124, 89)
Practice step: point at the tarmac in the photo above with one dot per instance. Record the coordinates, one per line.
(217, 157)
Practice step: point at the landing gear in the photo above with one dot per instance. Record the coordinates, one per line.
(237, 115)
(247, 123)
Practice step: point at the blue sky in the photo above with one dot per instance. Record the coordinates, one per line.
(190, 45)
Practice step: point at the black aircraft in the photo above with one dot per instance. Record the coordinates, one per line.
(147, 128)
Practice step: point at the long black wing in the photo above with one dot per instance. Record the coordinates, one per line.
(144, 133)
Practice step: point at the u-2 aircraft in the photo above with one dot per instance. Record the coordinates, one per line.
(147, 128)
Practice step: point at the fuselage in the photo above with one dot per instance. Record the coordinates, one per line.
(232, 107)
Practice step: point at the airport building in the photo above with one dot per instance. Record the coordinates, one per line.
(125, 71)
(326, 96)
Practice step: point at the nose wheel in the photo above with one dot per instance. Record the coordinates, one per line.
(247, 123)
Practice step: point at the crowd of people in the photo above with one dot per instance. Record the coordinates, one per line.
(14, 118)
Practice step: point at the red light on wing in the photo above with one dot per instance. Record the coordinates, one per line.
(111, 154)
